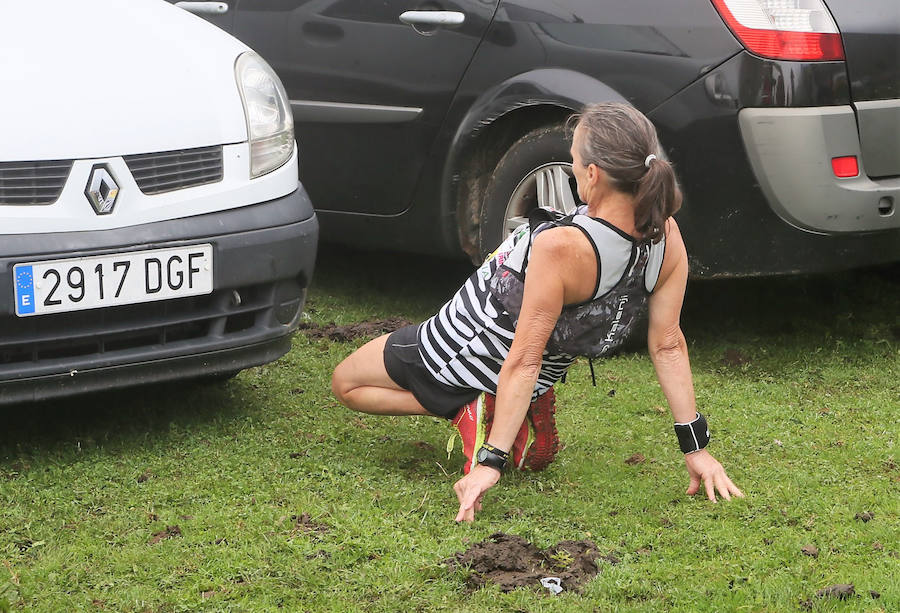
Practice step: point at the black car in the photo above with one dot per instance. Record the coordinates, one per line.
(433, 127)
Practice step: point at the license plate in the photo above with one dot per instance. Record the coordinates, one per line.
(75, 284)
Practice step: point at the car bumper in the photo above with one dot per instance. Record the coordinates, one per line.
(264, 255)
(790, 150)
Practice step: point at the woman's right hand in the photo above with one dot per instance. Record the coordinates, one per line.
(703, 467)
(471, 488)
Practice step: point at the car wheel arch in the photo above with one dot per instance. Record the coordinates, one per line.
(494, 122)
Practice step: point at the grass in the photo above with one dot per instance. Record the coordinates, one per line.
(282, 499)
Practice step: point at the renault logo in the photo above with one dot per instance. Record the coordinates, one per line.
(102, 190)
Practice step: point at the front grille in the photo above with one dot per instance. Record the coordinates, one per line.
(51, 339)
(33, 182)
(156, 173)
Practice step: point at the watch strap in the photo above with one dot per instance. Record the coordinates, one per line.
(493, 457)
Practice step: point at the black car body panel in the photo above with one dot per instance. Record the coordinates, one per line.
(871, 34)
(416, 181)
(727, 222)
(349, 53)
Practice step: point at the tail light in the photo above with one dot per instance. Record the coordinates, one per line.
(783, 29)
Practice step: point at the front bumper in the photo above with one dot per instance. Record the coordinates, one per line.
(264, 255)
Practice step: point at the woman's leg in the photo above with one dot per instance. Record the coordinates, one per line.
(361, 383)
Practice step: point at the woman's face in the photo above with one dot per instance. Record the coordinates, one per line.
(578, 167)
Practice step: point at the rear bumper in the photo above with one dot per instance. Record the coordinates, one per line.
(264, 254)
(790, 150)
(732, 225)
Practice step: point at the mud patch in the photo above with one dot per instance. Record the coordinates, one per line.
(511, 562)
(635, 458)
(169, 532)
(350, 332)
(841, 591)
(734, 358)
(304, 523)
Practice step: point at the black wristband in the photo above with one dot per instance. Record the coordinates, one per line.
(694, 435)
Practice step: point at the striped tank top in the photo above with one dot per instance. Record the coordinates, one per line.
(466, 342)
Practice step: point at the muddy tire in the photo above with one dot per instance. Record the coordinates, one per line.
(536, 170)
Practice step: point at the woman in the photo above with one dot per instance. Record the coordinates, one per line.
(514, 334)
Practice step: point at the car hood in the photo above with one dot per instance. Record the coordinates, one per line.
(102, 78)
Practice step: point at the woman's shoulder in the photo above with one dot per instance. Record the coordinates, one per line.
(675, 254)
(674, 242)
(562, 241)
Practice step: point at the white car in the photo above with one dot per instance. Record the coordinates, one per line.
(152, 224)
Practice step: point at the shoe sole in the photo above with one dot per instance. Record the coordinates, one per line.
(542, 414)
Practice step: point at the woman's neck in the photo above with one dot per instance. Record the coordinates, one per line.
(616, 208)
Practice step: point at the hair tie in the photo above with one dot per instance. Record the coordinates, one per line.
(649, 159)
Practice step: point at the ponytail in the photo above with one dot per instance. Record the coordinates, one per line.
(656, 198)
(617, 138)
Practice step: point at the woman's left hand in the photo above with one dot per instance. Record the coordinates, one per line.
(702, 466)
(471, 488)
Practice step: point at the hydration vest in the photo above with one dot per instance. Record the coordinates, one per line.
(627, 272)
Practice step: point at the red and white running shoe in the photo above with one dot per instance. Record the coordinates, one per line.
(537, 441)
(470, 421)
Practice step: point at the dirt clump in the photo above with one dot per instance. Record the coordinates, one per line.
(865, 516)
(350, 332)
(635, 458)
(511, 562)
(841, 591)
(810, 550)
(169, 532)
(734, 357)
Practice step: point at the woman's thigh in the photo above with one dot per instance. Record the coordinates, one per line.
(361, 382)
(364, 367)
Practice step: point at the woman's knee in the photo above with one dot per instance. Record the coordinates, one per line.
(364, 367)
(340, 382)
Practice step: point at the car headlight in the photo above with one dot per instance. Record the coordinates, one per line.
(270, 125)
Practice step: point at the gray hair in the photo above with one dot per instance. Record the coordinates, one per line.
(622, 142)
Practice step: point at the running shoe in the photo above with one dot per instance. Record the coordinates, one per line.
(537, 441)
(471, 425)
(542, 415)
(524, 437)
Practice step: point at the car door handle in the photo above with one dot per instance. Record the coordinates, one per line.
(433, 18)
(204, 8)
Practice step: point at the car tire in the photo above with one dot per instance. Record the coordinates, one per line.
(535, 170)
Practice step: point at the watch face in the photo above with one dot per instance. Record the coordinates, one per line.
(482, 454)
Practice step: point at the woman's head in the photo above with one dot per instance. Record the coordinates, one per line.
(620, 140)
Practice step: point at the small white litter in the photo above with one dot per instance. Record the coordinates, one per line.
(554, 584)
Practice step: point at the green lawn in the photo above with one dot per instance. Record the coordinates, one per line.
(262, 493)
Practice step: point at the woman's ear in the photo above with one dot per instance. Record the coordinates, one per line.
(594, 175)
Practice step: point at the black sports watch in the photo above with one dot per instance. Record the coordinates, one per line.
(492, 456)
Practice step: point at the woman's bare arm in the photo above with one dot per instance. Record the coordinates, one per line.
(668, 351)
(562, 270)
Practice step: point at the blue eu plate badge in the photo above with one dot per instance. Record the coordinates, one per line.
(24, 290)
